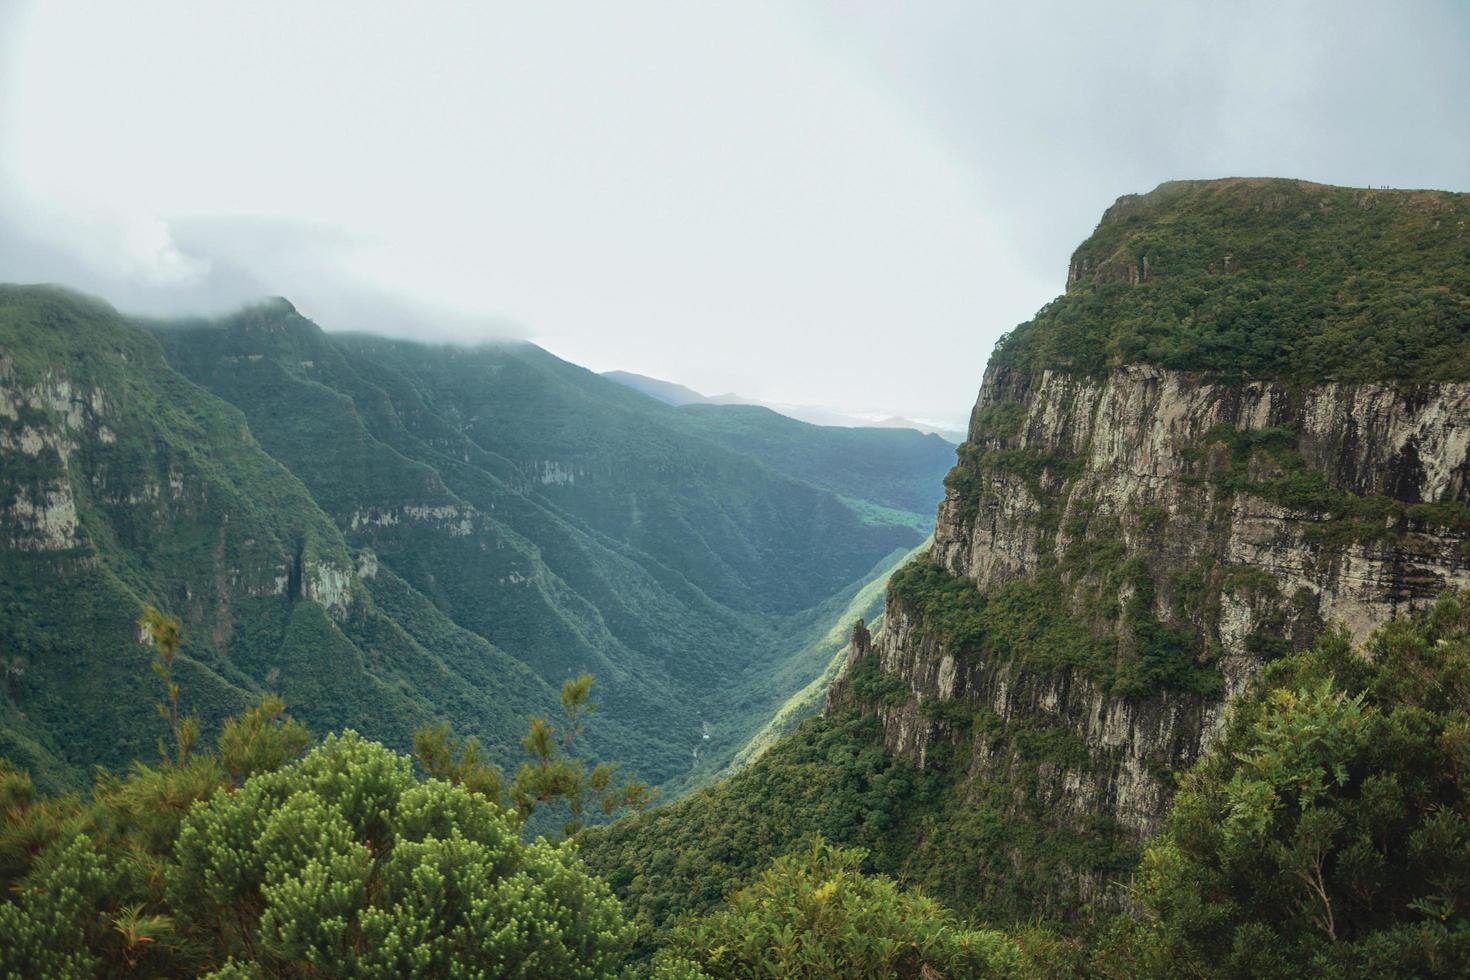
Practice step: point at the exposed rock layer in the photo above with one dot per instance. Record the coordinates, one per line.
(1261, 512)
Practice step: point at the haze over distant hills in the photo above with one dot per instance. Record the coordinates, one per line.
(387, 533)
(672, 393)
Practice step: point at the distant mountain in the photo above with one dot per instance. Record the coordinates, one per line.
(949, 434)
(665, 391)
(892, 468)
(671, 393)
(389, 533)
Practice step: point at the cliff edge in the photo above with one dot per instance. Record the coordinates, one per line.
(1247, 419)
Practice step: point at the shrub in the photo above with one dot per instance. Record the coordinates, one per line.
(1329, 832)
(813, 913)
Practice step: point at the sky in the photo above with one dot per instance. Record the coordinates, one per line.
(823, 202)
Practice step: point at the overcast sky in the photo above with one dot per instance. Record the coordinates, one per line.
(838, 203)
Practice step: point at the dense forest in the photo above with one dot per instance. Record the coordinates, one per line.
(1327, 833)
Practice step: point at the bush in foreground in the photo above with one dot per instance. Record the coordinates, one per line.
(814, 914)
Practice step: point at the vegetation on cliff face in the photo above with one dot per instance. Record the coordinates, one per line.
(1029, 621)
(1258, 278)
(1328, 833)
(1268, 463)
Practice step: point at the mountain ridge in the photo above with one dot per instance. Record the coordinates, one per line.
(1122, 547)
(680, 396)
(442, 504)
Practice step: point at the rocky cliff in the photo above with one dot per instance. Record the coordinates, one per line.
(1125, 541)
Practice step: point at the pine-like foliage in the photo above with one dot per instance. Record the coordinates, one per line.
(251, 860)
(345, 864)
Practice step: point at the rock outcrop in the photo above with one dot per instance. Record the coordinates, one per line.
(1181, 530)
(1149, 448)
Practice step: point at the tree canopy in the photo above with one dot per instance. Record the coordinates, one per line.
(1264, 278)
(1328, 833)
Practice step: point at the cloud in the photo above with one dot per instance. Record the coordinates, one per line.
(313, 265)
(832, 202)
(209, 267)
(155, 259)
(1060, 107)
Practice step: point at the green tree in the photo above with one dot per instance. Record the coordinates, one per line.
(55, 923)
(250, 860)
(166, 635)
(1329, 832)
(344, 864)
(86, 879)
(551, 775)
(814, 914)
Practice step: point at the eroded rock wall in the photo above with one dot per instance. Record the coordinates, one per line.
(1258, 512)
(1145, 444)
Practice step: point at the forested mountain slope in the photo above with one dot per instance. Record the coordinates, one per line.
(458, 529)
(858, 463)
(125, 484)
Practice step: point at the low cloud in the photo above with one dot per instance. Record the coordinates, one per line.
(829, 202)
(207, 267)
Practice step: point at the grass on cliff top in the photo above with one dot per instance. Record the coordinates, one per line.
(1265, 278)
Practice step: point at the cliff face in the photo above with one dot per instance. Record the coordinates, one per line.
(1118, 551)
(1151, 449)
(105, 448)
